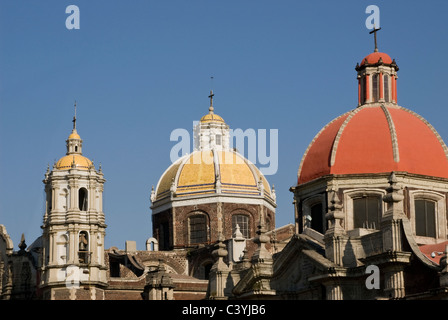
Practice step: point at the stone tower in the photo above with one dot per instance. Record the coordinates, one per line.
(73, 265)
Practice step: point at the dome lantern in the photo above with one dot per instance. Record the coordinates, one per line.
(211, 132)
(377, 77)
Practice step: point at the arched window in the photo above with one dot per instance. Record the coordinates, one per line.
(242, 221)
(82, 197)
(218, 139)
(197, 228)
(386, 88)
(164, 235)
(317, 222)
(425, 218)
(152, 244)
(363, 89)
(367, 212)
(375, 87)
(83, 247)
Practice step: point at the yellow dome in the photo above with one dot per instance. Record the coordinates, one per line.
(74, 135)
(211, 117)
(197, 173)
(81, 162)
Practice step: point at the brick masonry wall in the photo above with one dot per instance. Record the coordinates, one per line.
(181, 228)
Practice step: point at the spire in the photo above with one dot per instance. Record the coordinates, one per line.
(374, 32)
(74, 119)
(22, 244)
(74, 142)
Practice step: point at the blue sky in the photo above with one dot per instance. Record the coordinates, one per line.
(140, 69)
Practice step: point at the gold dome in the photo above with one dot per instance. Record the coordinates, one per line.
(78, 161)
(74, 135)
(201, 172)
(211, 117)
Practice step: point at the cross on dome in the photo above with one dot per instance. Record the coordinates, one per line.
(210, 109)
(374, 31)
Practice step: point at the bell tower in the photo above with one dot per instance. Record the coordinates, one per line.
(73, 265)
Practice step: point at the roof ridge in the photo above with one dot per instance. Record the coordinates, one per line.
(314, 140)
(339, 134)
(393, 133)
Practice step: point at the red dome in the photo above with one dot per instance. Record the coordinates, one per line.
(375, 139)
(374, 57)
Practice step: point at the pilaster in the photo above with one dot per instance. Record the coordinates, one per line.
(335, 237)
(392, 218)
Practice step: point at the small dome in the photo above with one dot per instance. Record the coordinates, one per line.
(375, 139)
(80, 162)
(74, 135)
(375, 57)
(211, 117)
(196, 174)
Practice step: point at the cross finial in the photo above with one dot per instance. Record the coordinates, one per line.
(211, 101)
(74, 118)
(374, 32)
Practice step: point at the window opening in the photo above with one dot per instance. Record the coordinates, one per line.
(82, 199)
(198, 228)
(425, 218)
(243, 222)
(366, 212)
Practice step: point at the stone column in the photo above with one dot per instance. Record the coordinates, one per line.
(394, 282)
(334, 292)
